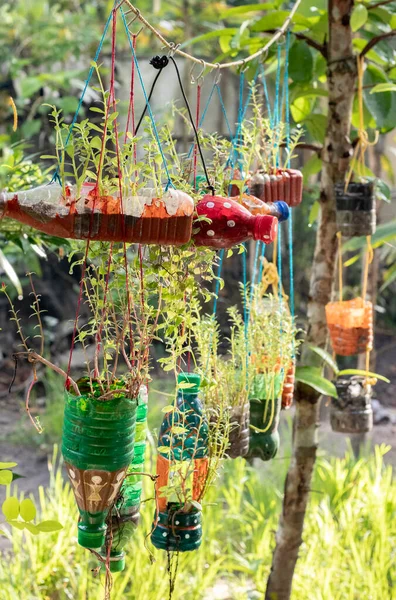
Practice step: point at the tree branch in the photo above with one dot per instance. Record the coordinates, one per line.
(322, 48)
(376, 40)
(306, 146)
(377, 4)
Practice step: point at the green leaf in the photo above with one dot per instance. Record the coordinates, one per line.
(316, 126)
(383, 87)
(301, 108)
(242, 10)
(10, 508)
(379, 105)
(211, 35)
(5, 477)
(312, 376)
(18, 524)
(312, 166)
(7, 465)
(359, 17)
(49, 526)
(32, 528)
(168, 408)
(164, 450)
(389, 277)
(27, 510)
(301, 63)
(385, 232)
(179, 430)
(363, 373)
(313, 213)
(9, 270)
(329, 360)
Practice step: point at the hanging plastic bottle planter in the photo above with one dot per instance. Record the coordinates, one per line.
(285, 184)
(182, 467)
(126, 513)
(239, 431)
(350, 324)
(144, 218)
(230, 224)
(265, 405)
(351, 412)
(97, 446)
(356, 214)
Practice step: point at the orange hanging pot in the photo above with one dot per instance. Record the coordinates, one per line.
(285, 184)
(350, 325)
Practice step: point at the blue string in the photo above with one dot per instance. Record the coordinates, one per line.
(87, 82)
(277, 115)
(264, 81)
(216, 298)
(169, 182)
(224, 110)
(245, 310)
(202, 119)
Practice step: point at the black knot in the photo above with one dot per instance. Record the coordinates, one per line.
(159, 62)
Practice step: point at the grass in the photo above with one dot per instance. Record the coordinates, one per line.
(348, 552)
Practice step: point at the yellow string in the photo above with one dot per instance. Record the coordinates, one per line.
(358, 158)
(339, 237)
(14, 110)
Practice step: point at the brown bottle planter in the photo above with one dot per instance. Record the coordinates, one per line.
(350, 326)
(351, 412)
(355, 214)
(286, 185)
(239, 433)
(288, 387)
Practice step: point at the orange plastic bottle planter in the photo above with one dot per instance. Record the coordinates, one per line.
(288, 387)
(350, 326)
(286, 185)
(143, 218)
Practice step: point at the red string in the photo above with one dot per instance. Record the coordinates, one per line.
(195, 162)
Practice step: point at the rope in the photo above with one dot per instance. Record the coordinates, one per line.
(266, 95)
(237, 63)
(339, 238)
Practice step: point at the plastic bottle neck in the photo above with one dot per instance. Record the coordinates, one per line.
(265, 228)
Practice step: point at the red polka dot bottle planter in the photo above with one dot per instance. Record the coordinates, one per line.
(285, 184)
(144, 218)
(230, 224)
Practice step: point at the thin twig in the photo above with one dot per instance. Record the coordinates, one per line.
(237, 63)
(34, 357)
(377, 4)
(376, 40)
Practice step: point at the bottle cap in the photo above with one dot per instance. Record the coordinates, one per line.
(91, 539)
(265, 228)
(192, 378)
(282, 210)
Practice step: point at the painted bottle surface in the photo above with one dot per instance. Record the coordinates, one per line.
(231, 224)
(126, 513)
(183, 448)
(265, 405)
(144, 218)
(285, 184)
(97, 446)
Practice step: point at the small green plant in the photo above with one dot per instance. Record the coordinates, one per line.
(21, 513)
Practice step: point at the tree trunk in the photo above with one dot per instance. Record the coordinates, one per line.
(342, 73)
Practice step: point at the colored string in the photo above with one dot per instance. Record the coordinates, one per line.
(195, 160)
(87, 82)
(131, 45)
(266, 95)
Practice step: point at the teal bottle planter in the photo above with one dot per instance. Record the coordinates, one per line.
(97, 446)
(178, 531)
(183, 438)
(126, 515)
(265, 405)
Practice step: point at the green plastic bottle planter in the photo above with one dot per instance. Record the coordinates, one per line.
(97, 445)
(265, 404)
(125, 517)
(173, 528)
(177, 530)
